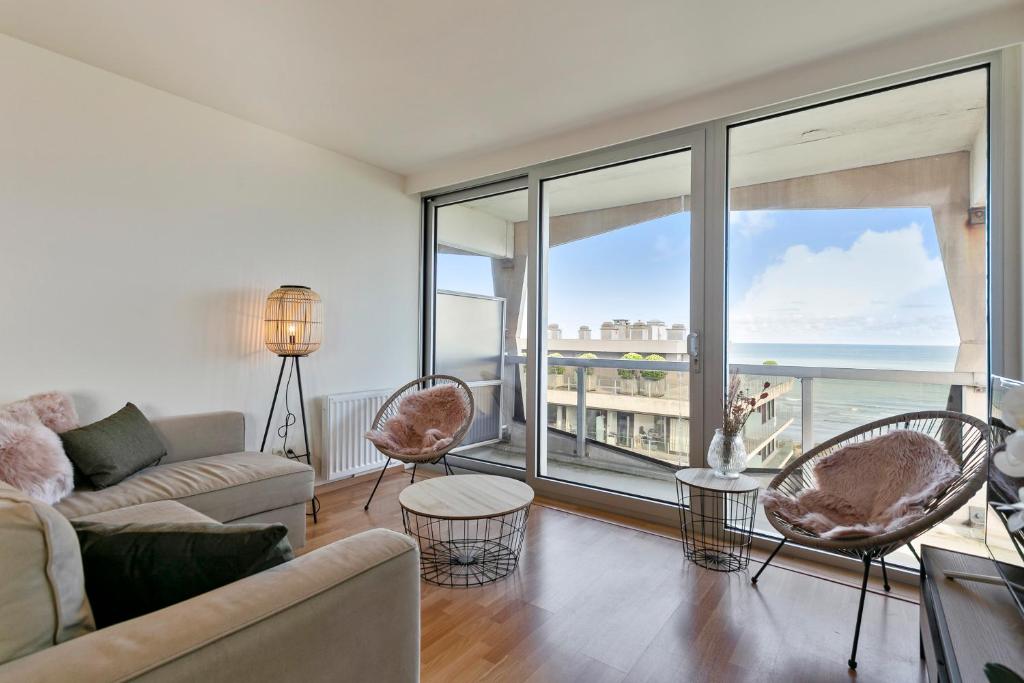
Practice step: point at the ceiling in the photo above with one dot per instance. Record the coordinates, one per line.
(928, 118)
(924, 119)
(646, 180)
(408, 85)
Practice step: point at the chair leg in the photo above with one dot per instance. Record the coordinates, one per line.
(885, 576)
(382, 471)
(447, 467)
(768, 561)
(916, 556)
(860, 612)
(413, 479)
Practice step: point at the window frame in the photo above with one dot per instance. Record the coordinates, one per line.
(1004, 209)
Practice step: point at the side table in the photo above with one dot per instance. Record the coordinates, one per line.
(716, 518)
(469, 527)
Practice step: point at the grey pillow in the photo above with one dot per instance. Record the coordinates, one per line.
(114, 448)
(135, 569)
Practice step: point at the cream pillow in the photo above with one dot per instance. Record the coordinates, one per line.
(42, 593)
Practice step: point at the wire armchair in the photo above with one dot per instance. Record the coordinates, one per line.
(390, 409)
(967, 441)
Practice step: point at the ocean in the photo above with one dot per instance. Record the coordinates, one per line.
(891, 357)
(841, 405)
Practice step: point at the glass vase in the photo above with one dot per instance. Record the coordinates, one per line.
(727, 455)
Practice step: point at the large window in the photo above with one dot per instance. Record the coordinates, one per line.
(836, 248)
(857, 266)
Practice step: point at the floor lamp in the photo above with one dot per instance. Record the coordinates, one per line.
(293, 322)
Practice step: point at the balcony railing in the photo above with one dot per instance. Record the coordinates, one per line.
(675, 388)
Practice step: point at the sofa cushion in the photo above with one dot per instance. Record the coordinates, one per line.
(198, 436)
(224, 487)
(42, 590)
(159, 512)
(113, 448)
(134, 569)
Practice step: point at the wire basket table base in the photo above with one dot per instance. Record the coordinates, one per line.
(460, 553)
(716, 525)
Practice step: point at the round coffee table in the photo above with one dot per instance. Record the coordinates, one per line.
(716, 518)
(470, 527)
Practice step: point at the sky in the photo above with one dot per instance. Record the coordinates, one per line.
(844, 276)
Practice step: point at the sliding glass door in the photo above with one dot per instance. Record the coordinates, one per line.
(477, 312)
(837, 248)
(619, 300)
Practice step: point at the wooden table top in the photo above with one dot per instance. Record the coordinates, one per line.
(466, 496)
(704, 478)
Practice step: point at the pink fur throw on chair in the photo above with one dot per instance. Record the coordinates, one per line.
(31, 454)
(869, 488)
(426, 422)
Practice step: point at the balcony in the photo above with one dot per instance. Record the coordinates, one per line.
(622, 425)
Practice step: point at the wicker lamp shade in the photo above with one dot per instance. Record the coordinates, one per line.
(293, 321)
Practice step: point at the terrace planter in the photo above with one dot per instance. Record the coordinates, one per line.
(654, 388)
(590, 382)
(627, 387)
(653, 381)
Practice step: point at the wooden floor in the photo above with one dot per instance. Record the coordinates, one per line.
(595, 601)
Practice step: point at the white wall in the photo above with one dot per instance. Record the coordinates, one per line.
(141, 233)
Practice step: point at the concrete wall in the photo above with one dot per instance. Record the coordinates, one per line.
(142, 233)
(467, 229)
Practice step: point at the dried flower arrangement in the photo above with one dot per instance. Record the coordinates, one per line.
(739, 406)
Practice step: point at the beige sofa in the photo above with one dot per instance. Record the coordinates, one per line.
(208, 470)
(348, 611)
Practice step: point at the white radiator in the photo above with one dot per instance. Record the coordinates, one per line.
(347, 417)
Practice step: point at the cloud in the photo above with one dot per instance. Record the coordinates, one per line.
(750, 223)
(884, 288)
(667, 246)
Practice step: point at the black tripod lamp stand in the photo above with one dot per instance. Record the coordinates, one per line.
(293, 323)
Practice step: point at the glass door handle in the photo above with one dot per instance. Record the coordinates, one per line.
(693, 350)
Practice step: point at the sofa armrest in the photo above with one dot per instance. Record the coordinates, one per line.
(188, 437)
(346, 611)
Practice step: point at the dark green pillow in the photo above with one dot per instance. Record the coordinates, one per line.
(135, 569)
(114, 448)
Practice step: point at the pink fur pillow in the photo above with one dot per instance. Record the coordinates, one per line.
(54, 409)
(32, 457)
